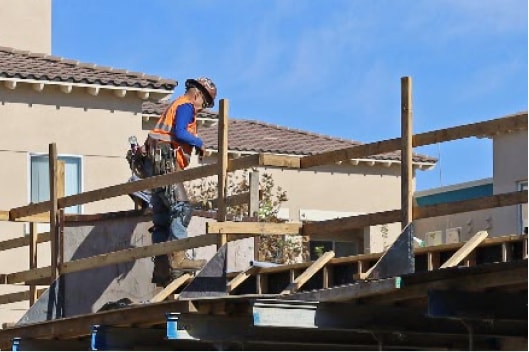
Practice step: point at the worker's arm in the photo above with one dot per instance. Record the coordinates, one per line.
(180, 132)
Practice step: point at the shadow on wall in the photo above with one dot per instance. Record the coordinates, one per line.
(87, 291)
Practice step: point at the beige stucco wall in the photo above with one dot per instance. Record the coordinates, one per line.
(96, 128)
(26, 24)
(509, 168)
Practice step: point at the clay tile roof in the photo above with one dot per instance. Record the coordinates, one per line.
(26, 65)
(259, 137)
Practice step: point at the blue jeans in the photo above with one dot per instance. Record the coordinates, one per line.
(170, 223)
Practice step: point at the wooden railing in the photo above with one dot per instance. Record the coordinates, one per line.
(223, 231)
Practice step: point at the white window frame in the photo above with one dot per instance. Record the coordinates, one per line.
(81, 173)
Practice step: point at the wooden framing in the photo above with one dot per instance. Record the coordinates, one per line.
(222, 231)
(464, 251)
(406, 165)
(222, 167)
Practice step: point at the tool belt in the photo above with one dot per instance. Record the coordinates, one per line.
(163, 159)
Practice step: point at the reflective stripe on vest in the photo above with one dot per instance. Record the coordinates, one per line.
(164, 126)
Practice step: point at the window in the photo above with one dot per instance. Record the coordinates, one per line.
(522, 210)
(40, 179)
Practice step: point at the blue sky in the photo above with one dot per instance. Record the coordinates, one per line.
(332, 67)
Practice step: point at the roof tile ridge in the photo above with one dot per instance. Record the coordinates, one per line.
(308, 133)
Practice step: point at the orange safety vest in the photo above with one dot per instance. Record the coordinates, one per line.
(162, 131)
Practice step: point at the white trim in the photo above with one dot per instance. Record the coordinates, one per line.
(66, 89)
(93, 91)
(86, 85)
(10, 84)
(120, 93)
(39, 87)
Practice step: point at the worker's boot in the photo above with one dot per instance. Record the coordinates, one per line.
(181, 264)
(161, 274)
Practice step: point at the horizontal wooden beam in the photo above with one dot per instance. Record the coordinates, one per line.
(351, 222)
(390, 216)
(23, 241)
(258, 228)
(495, 201)
(114, 258)
(131, 187)
(485, 128)
(18, 296)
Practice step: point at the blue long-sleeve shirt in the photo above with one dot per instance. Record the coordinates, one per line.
(184, 115)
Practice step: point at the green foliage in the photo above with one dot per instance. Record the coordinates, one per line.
(277, 249)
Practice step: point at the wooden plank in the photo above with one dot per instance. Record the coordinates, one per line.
(233, 200)
(23, 241)
(169, 289)
(222, 171)
(291, 162)
(19, 296)
(386, 217)
(495, 201)
(349, 291)
(117, 190)
(433, 260)
(121, 256)
(240, 278)
(506, 252)
(308, 273)
(54, 207)
(262, 228)
(4, 215)
(33, 233)
(464, 251)
(253, 207)
(351, 222)
(514, 122)
(406, 165)
(485, 128)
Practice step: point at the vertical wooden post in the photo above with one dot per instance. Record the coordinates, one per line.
(33, 234)
(253, 207)
(53, 211)
(406, 152)
(222, 166)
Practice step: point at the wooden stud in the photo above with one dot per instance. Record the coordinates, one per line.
(524, 248)
(53, 211)
(253, 207)
(33, 235)
(406, 152)
(506, 252)
(222, 166)
(434, 260)
(261, 283)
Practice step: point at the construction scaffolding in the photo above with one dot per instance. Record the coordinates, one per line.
(452, 296)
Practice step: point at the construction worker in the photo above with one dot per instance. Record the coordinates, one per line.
(169, 147)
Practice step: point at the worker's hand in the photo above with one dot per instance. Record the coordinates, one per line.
(200, 152)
